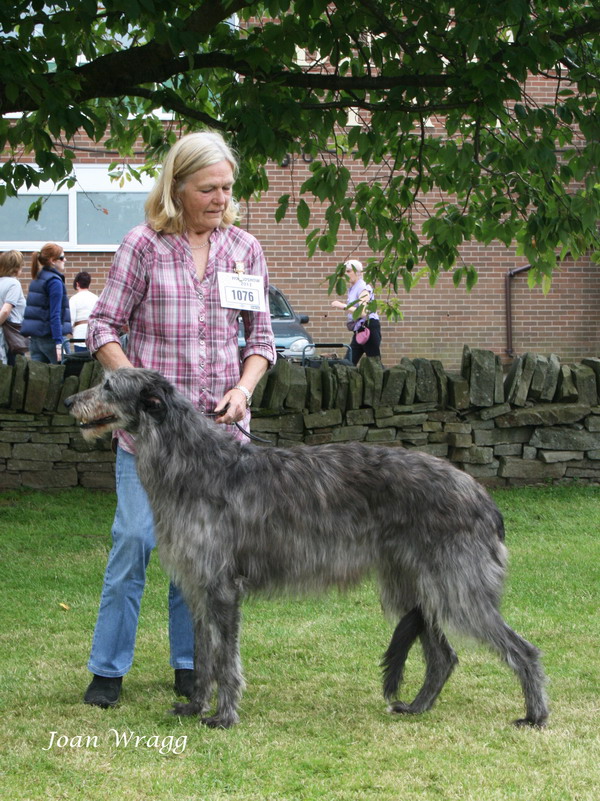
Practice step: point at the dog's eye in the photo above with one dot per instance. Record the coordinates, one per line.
(107, 387)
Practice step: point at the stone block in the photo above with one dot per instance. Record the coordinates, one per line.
(592, 423)
(402, 421)
(458, 428)
(341, 372)
(565, 439)
(321, 438)
(355, 390)
(37, 452)
(296, 396)
(259, 391)
(518, 381)
(427, 386)
(460, 440)
(393, 384)
(544, 415)
(531, 470)
(323, 419)
(551, 379)
(6, 379)
(495, 411)
(372, 373)
(594, 365)
(410, 383)
(280, 424)
(10, 480)
(17, 395)
(584, 379)
(38, 384)
(508, 449)
(50, 479)
(482, 471)
(473, 455)
(360, 417)
(440, 450)
(566, 391)
(482, 377)
(442, 383)
(314, 390)
(458, 391)
(549, 457)
(538, 379)
(70, 387)
(105, 481)
(381, 435)
(349, 433)
(278, 384)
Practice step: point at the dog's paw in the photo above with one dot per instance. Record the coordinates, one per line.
(401, 708)
(527, 723)
(186, 710)
(220, 721)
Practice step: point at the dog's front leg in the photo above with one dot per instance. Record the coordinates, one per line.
(223, 615)
(204, 664)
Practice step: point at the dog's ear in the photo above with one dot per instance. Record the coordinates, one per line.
(155, 403)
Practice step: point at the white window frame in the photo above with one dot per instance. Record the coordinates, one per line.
(89, 178)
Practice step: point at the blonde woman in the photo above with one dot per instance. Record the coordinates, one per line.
(163, 287)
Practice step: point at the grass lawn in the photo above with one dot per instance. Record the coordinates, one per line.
(313, 722)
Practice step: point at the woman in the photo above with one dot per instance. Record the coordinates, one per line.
(359, 295)
(47, 321)
(164, 287)
(12, 299)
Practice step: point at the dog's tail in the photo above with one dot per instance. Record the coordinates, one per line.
(405, 633)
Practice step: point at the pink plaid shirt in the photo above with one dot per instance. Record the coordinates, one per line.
(177, 325)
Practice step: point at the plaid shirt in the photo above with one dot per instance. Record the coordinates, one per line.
(177, 325)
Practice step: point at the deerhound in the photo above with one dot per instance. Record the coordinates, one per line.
(232, 518)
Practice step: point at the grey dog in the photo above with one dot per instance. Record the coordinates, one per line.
(232, 518)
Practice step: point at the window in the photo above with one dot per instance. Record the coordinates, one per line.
(93, 215)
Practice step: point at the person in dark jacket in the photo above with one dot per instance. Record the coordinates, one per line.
(47, 321)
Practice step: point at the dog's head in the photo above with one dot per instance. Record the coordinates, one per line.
(125, 399)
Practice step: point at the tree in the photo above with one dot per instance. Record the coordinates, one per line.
(504, 160)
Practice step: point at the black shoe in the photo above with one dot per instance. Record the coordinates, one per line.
(184, 682)
(103, 691)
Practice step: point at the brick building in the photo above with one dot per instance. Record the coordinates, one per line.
(90, 219)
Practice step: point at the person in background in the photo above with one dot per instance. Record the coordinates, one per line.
(163, 287)
(359, 294)
(81, 305)
(12, 299)
(47, 321)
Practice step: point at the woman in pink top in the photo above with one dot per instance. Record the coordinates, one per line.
(163, 287)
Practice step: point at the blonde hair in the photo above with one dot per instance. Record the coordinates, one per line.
(44, 257)
(11, 262)
(189, 154)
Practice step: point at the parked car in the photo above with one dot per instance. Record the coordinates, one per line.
(291, 338)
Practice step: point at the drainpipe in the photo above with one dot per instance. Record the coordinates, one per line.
(508, 305)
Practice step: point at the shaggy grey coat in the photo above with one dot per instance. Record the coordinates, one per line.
(232, 518)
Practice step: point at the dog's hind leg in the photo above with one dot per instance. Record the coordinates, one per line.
(440, 660)
(524, 659)
(394, 659)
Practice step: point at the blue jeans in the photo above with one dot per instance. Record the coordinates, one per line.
(42, 349)
(124, 580)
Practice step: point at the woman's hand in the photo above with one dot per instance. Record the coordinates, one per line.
(337, 304)
(231, 408)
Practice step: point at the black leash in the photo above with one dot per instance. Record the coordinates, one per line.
(238, 426)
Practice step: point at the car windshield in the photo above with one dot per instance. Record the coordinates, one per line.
(278, 306)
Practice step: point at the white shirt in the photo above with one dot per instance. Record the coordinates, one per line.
(80, 306)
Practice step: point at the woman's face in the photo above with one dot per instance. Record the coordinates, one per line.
(206, 196)
(352, 275)
(59, 263)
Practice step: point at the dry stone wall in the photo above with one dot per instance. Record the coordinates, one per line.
(538, 422)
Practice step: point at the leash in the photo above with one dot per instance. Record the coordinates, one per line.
(238, 426)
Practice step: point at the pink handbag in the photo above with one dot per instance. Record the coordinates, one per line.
(362, 335)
